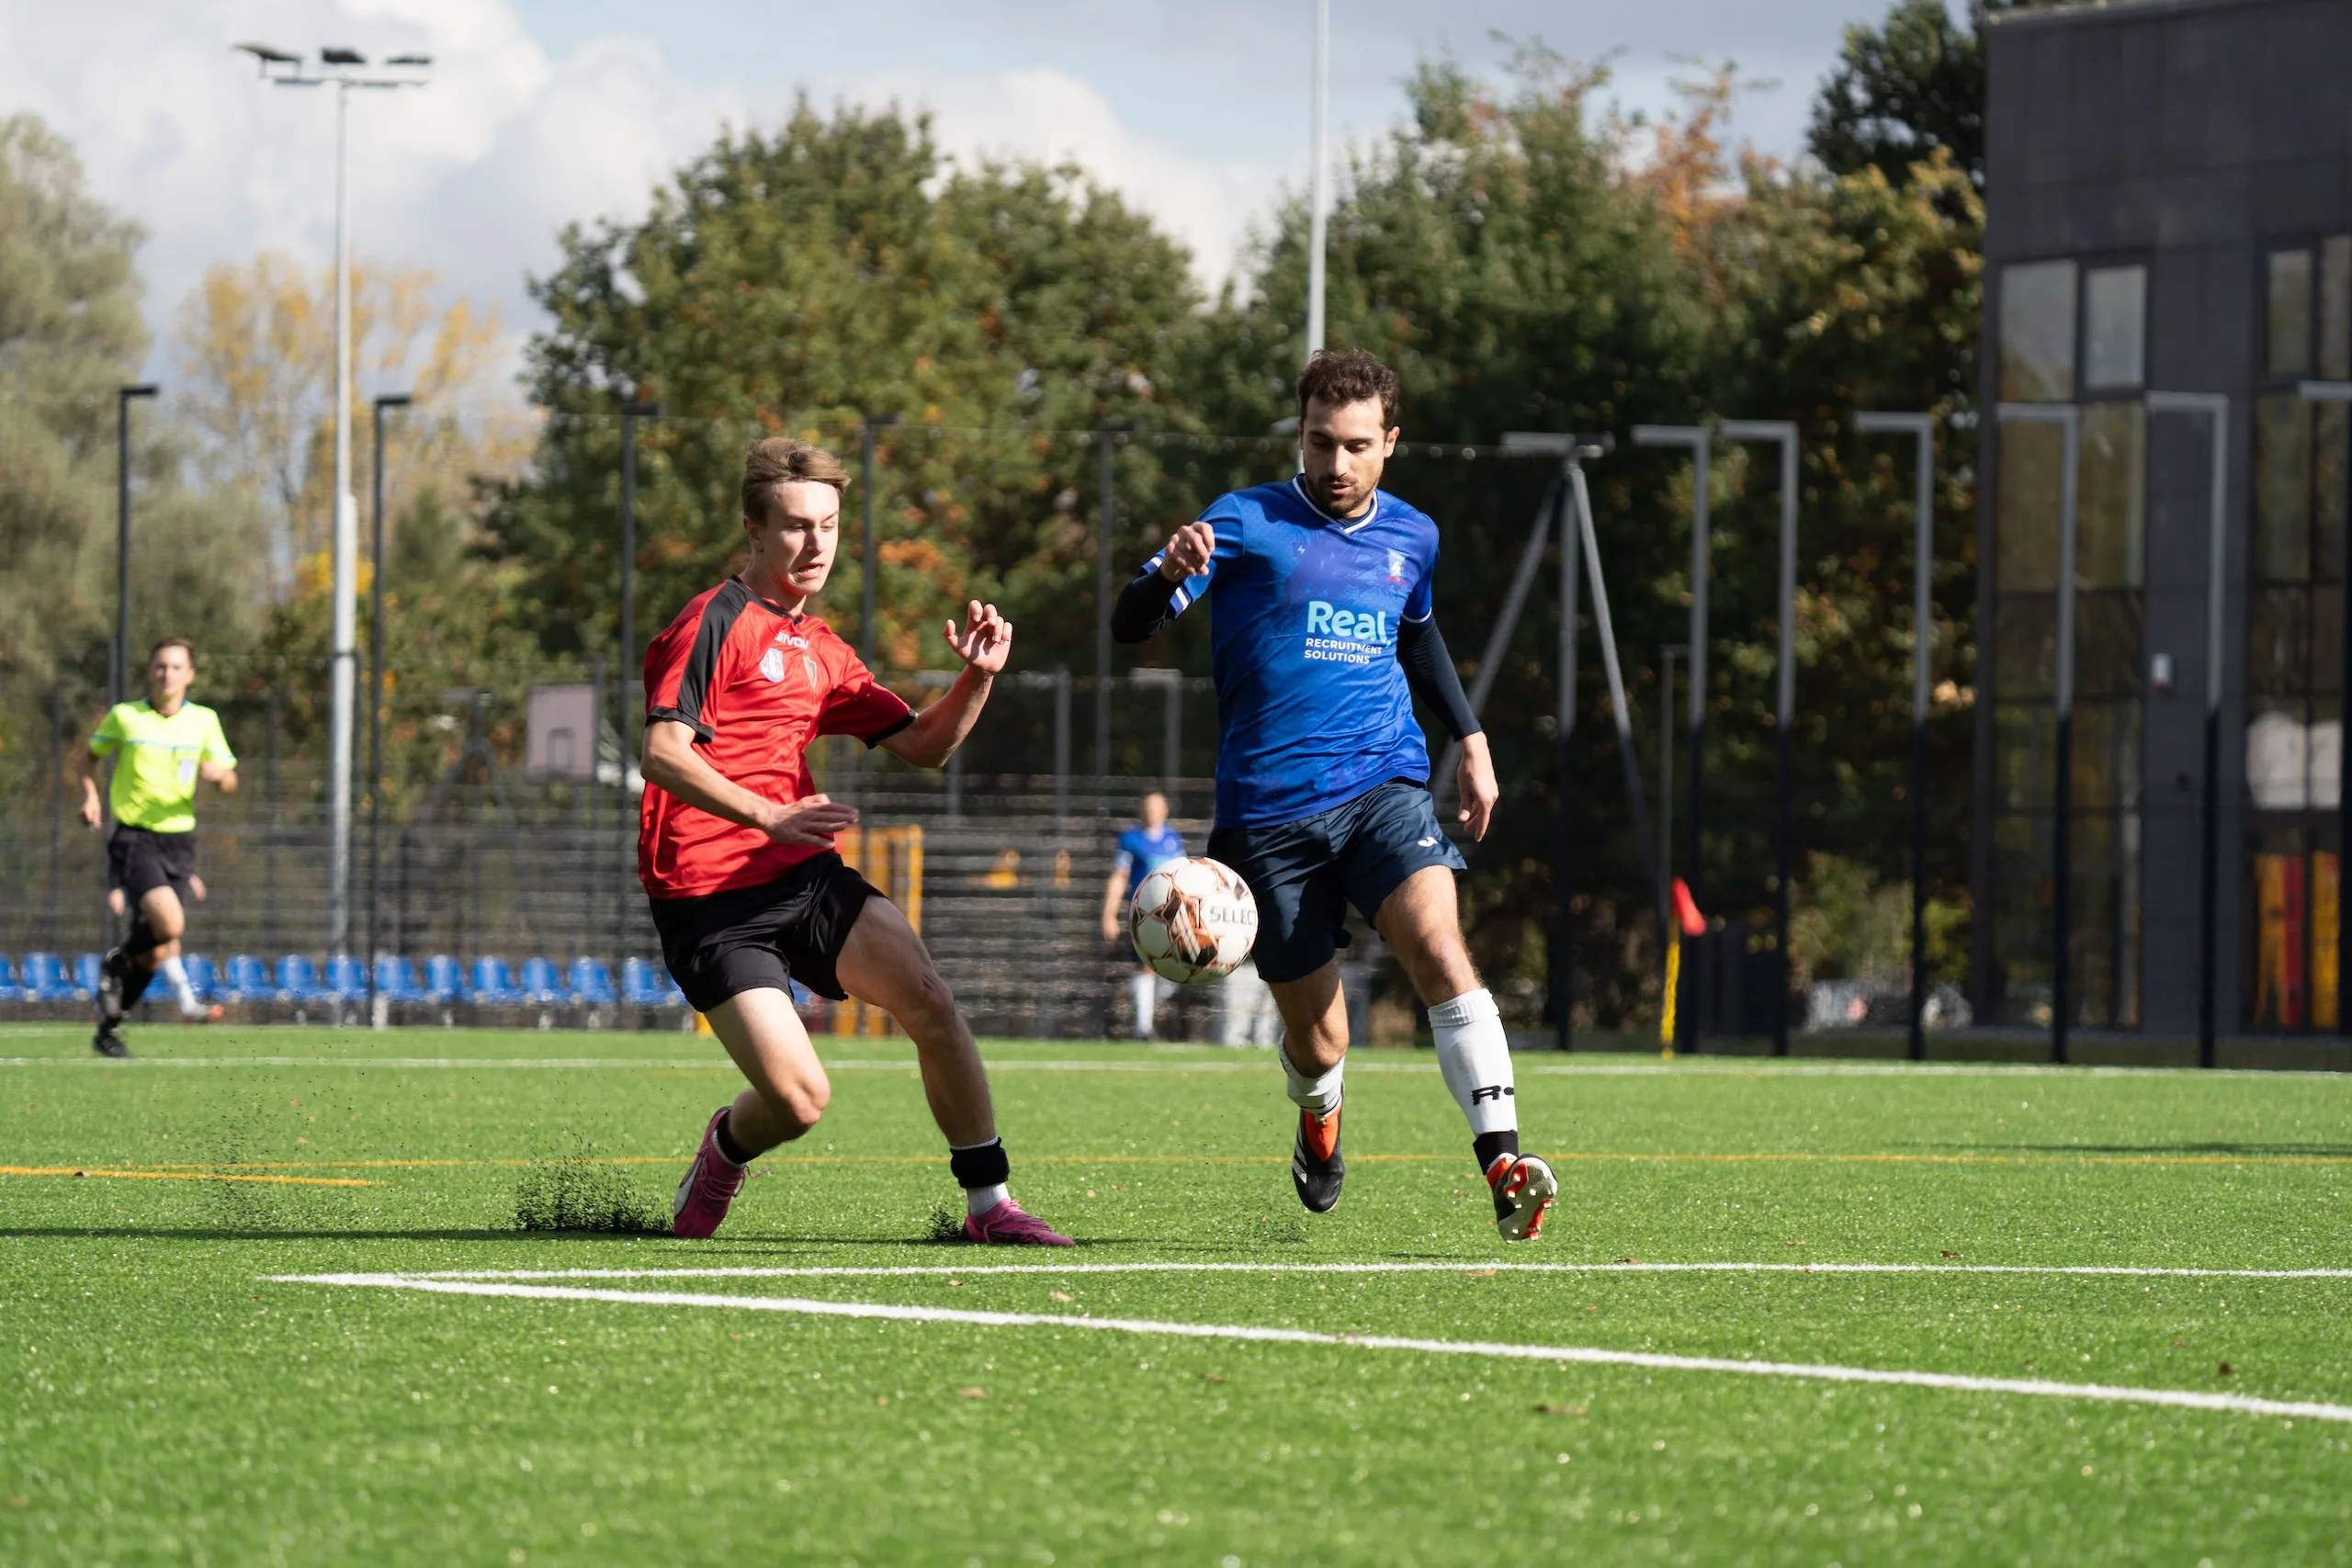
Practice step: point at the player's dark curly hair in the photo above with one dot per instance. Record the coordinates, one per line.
(1341, 375)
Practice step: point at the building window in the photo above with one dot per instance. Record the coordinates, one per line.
(2294, 650)
(2038, 332)
(2115, 315)
(2057, 316)
(2290, 315)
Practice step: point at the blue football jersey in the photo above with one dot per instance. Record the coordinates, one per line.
(1142, 852)
(1304, 607)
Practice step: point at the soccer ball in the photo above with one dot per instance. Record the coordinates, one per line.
(1193, 920)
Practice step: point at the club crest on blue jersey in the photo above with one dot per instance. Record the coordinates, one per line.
(1396, 566)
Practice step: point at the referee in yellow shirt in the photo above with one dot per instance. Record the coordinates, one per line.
(161, 747)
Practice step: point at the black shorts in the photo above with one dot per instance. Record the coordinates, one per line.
(140, 860)
(1299, 871)
(751, 939)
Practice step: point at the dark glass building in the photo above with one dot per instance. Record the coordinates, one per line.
(2169, 209)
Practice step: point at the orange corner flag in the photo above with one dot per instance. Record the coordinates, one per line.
(1686, 910)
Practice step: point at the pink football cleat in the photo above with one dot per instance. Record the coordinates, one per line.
(709, 1186)
(1008, 1224)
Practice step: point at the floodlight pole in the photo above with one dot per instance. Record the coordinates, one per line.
(119, 677)
(336, 71)
(2215, 408)
(2326, 392)
(1921, 428)
(376, 697)
(2067, 417)
(1785, 432)
(1319, 185)
(1700, 440)
(629, 717)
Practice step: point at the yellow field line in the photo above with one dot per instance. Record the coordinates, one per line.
(213, 1175)
(1755, 1158)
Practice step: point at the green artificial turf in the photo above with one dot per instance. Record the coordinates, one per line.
(165, 1401)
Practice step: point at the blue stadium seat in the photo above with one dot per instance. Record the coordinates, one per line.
(591, 984)
(248, 981)
(86, 974)
(647, 985)
(297, 980)
(346, 979)
(202, 977)
(444, 981)
(493, 985)
(542, 985)
(45, 980)
(10, 987)
(396, 980)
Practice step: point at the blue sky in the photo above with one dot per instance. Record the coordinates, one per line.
(548, 111)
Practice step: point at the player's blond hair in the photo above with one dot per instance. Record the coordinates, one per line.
(780, 459)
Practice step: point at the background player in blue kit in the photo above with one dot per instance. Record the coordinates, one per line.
(1147, 845)
(1323, 631)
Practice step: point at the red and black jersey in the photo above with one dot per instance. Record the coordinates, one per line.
(756, 685)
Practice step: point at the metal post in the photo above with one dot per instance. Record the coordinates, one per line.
(1785, 432)
(269, 805)
(1562, 961)
(2215, 408)
(119, 674)
(1921, 427)
(628, 718)
(1523, 580)
(2324, 392)
(1061, 742)
(1105, 437)
(56, 808)
(1666, 656)
(1319, 182)
(375, 699)
(1700, 440)
(1618, 707)
(1171, 737)
(2068, 420)
(344, 630)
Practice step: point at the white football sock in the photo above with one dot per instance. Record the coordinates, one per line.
(1143, 990)
(978, 1200)
(1320, 1095)
(172, 970)
(1475, 1055)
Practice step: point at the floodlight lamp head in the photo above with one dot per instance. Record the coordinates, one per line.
(143, 390)
(268, 56)
(416, 60)
(881, 421)
(393, 401)
(644, 411)
(337, 55)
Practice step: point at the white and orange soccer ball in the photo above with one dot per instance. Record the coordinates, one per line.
(1193, 920)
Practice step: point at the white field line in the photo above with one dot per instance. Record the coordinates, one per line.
(2185, 1399)
(1468, 1266)
(1742, 1067)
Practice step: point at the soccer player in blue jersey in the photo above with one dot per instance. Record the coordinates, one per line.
(1150, 844)
(1324, 631)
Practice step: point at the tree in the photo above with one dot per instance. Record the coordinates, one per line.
(1904, 91)
(70, 333)
(258, 342)
(799, 281)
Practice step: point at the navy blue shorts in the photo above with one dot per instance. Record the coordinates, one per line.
(1299, 871)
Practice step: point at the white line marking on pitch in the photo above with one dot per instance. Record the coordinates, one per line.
(1468, 1266)
(2185, 1399)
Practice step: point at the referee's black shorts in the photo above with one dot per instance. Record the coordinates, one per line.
(747, 939)
(140, 860)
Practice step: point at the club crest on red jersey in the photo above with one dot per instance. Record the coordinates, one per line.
(772, 665)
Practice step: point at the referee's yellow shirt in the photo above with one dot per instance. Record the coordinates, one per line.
(154, 774)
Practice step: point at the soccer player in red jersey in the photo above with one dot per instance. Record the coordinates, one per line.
(736, 849)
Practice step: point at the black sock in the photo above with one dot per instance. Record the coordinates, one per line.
(985, 1165)
(1490, 1146)
(141, 941)
(135, 981)
(724, 1136)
